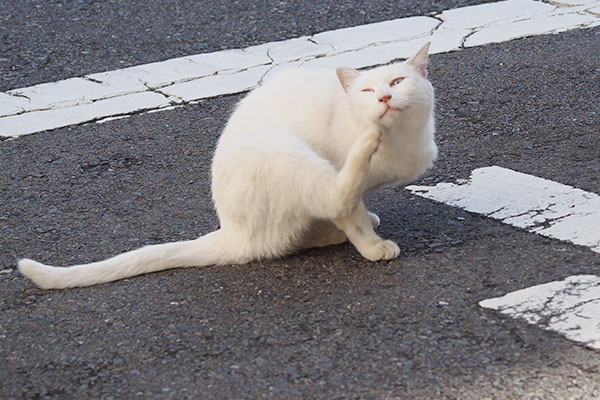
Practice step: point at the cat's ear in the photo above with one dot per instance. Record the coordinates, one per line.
(347, 76)
(419, 60)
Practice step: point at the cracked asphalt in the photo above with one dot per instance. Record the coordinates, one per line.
(324, 323)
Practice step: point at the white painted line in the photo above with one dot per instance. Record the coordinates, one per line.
(216, 85)
(42, 120)
(164, 73)
(487, 14)
(359, 37)
(190, 78)
(62, 94)
(513, 30)
(570, 307)
(108, 119)
(538, 205)
(10, 105)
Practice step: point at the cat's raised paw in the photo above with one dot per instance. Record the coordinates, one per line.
(384, 250)
(369, 141)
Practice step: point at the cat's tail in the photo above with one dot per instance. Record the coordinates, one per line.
(206, 250)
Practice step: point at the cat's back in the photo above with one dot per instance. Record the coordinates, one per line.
(302, 81)
(296, 100)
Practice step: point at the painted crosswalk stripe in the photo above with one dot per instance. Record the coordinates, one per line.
(164, 84)
(538, 205)
(570, 307)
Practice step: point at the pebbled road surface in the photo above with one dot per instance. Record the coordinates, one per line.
(324, 323)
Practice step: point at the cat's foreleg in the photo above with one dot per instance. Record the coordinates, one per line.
(358, 227)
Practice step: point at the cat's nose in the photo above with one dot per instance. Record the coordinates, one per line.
(385, 98)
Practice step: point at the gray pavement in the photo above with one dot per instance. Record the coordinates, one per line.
(324, 323)
(48, 41)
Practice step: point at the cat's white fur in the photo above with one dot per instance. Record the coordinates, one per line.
(291, 168)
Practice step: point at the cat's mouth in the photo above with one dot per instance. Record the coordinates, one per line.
(391, 109)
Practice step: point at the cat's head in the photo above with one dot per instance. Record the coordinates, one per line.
(392, 94)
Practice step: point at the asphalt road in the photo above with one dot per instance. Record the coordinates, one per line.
(324, 323)
(45, 41)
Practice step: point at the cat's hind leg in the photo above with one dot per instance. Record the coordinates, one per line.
(351, 179)
(322, 234)
(330, 193)
(325, 233)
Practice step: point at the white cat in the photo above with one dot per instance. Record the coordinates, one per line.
(291, 168)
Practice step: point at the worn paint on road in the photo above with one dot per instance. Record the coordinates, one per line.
(538, 205)
(164, 84)
(570, 307)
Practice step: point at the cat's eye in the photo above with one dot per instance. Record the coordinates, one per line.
(368, 90)
(397, 81)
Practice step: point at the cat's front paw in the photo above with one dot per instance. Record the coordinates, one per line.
(383, 250)
(370, 141)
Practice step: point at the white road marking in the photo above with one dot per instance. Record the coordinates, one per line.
(538, 205)
(160, 85)
(88, 111)
(570, 307)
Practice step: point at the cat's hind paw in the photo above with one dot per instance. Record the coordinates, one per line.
(383, 250)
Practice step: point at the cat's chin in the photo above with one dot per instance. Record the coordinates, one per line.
(392, 116)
